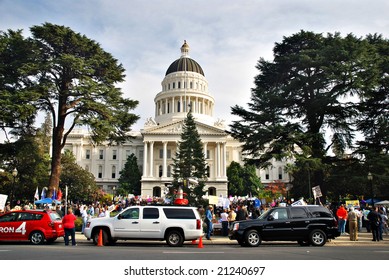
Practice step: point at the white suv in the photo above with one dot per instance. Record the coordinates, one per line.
(175, 224)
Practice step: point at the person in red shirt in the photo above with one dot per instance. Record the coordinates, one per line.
(70, 227)
(341, 213)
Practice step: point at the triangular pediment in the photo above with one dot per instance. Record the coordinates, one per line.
(176, 128)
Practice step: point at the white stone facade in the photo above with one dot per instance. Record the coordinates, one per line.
(155, 145)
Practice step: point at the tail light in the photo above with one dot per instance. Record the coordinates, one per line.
(87, 224)
(235, 226)
(198, 224)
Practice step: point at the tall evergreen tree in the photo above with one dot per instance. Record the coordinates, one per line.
(189, 162)
(243, 180)
(299, 95)
(130, 176)
(72, 78)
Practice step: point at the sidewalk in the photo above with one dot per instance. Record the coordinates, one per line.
(364, 239)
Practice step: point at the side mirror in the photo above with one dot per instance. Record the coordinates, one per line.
(119, 216)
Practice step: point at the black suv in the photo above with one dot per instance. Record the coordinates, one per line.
(309, 224)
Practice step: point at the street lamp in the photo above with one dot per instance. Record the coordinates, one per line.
(370, 178)
(14, 175)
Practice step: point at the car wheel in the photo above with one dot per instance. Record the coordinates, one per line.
(96, 237)
(37, 238)
(252, 238)
(174, 238)
(317, 237)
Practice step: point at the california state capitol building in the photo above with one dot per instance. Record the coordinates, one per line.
(184, 87)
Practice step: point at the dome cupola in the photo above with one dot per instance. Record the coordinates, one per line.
(185, 63)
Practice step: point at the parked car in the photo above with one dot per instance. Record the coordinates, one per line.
(37, 226)
(175, 224)
(308, 225)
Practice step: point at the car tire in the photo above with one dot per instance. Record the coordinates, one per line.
(96, 234)
(317, 237)
(174, 238)
(252, 238)
(37, 238)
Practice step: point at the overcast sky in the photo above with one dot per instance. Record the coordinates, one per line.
(226, 37)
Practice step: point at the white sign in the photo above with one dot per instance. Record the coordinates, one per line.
(316, 191)
(3, 200)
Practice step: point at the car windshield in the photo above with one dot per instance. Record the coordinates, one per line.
(264, 215)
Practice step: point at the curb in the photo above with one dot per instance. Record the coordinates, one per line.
(364, 239)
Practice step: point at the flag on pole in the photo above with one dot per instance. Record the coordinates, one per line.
(43, 194)
(36, 196)
(54, 196)
(59, 195)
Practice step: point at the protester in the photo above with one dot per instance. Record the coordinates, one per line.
(341, 213)
(242, 213)
(70, 227)
(224, 219)
(374, 220)
(208, 221)
(352, 218)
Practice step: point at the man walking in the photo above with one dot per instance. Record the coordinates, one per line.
(352, 218)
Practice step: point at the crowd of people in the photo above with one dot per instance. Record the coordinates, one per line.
(375, 219)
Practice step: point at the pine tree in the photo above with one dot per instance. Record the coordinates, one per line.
(130, 177)
(190, 162)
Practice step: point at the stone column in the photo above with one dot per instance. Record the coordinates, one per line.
(151, 161)
(145, 159)
(164, 167)
(218, 159)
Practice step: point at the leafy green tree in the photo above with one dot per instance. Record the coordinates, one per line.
(373, 120)
(190, 163)
(17, 102)
(81, 183)
(235, 179)
(26, 155)
(45, 132)
(130, 176)
(243, 181)
(299, 95)
(72, 78)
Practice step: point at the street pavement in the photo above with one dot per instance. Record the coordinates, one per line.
(364, 239)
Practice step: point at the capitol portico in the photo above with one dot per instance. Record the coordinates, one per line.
(184, 88)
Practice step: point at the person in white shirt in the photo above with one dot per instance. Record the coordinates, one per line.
(224, 219)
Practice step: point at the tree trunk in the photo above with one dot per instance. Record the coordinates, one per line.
(55, 161)
(58, 144)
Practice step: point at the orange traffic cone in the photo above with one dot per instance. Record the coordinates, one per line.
(200, 243)
(100, 239)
